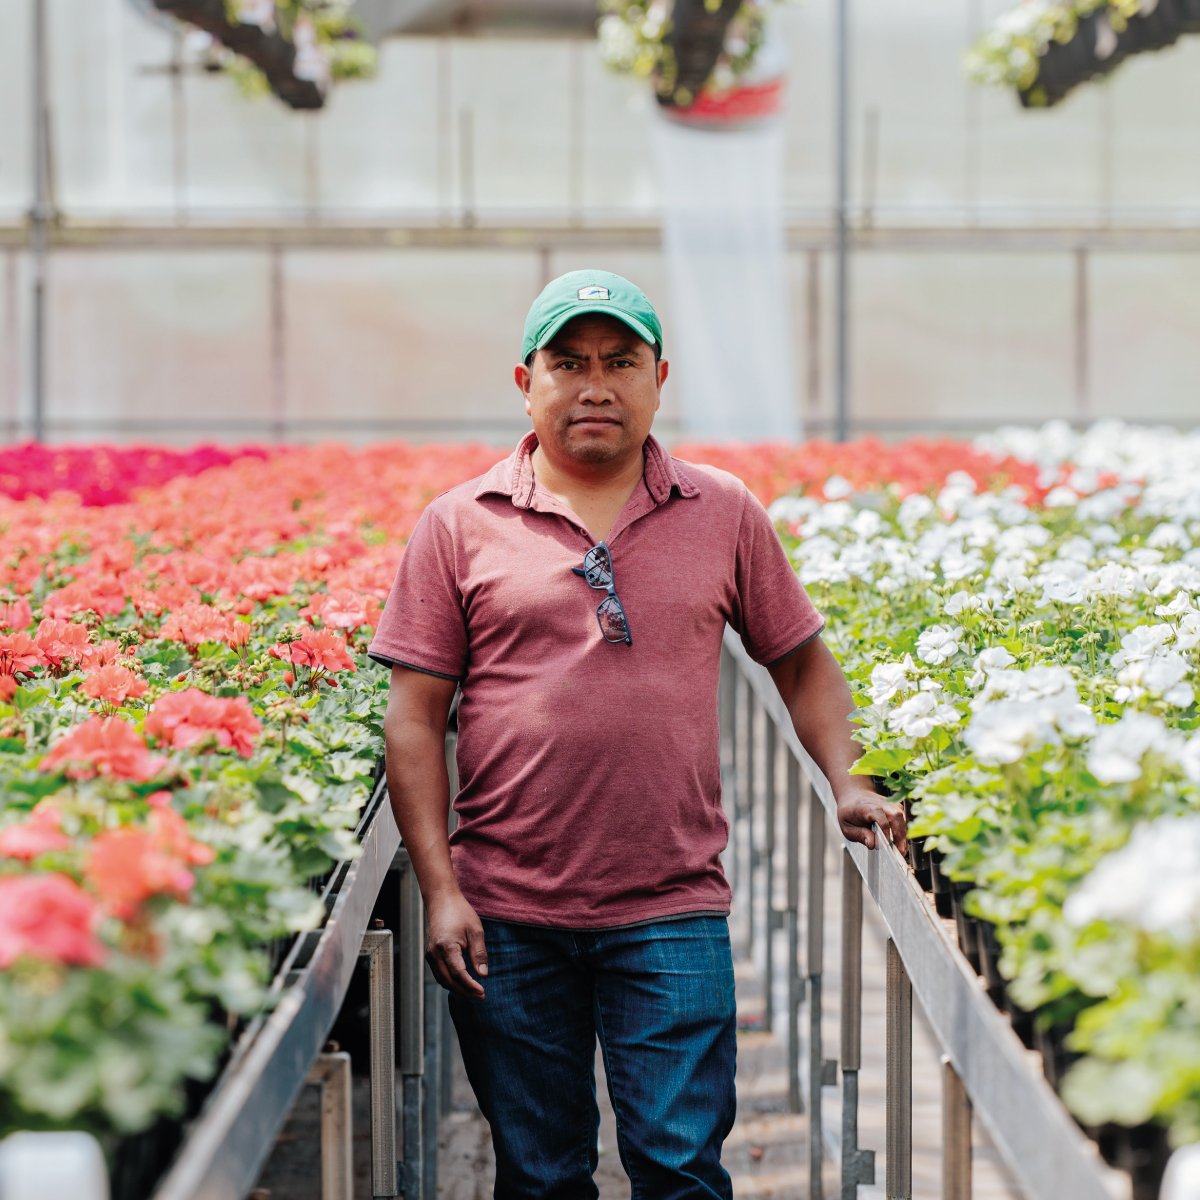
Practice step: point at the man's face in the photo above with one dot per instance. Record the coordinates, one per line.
(593, 391)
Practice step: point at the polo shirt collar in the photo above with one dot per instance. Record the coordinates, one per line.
(513, 477)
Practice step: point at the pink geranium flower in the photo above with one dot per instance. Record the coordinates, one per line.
(40, 833)
(184, 718)
(320, 649)
(49, 917)
(103, 746)
(114, 685)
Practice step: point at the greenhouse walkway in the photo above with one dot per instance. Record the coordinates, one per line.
(767, 1152)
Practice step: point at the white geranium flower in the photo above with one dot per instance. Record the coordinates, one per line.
(1187, 636)
(1168, 535)
(1161, 676)
(956, 565)
(994, 658)
(1142, 643)
(1117, 751)
(1061, 497)
(837, 487)
(939, 643)
(1058, 588)
(913, 510)
(1180, 604)
(1152, 883)
(792, 509)
(1005, 732)
(1116, 581)
(962, 602)
(1077, 549)
(919, 716)
(889, 678)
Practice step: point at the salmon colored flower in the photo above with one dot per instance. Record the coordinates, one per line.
(39, 834)
(100, 655)
(127, 866)
(20, 654)
(320, 649)
(341, 611)
(101, 593)
(16, 615)
(62, 641)
(103, 746)
(49, 917)
(195, 624)
(182, 719)
(114, 685)
(172, 835)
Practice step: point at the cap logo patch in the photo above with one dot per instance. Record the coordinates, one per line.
(593, 293)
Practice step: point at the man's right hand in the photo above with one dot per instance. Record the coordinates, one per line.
(454, 938)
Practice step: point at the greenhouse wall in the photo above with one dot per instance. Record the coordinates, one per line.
(364, 270)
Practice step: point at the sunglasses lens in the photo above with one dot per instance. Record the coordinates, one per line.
(612, 620)
(597, 567)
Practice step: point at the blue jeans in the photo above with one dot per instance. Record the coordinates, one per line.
(660, 998)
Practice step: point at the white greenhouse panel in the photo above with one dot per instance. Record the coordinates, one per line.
(1145, 311)
(379, 142)
(968, 336)
(145, 336)
(408, 335)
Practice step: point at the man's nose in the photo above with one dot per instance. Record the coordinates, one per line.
(596, 387)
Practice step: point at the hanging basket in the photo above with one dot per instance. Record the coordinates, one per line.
(695, 42)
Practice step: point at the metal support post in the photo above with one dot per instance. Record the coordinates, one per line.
(771, 920)
(858, 1166)
(818, 1068)
(956, 1136)
(898, 1181)
(753, 713)
(795, 981)
(377, 946)
(446, 1062)
(411, 1023)
(431, 1102)
(331, 1073)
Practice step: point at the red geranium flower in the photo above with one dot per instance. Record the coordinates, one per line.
(48, 917)
(197, 623)
(103, 746)
(184, 718)
(20, 654)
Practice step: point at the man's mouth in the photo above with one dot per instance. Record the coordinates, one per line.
(595, 421)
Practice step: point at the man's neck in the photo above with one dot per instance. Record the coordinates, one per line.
(596, 497)
(597, 481)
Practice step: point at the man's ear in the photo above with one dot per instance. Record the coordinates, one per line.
(522, 376)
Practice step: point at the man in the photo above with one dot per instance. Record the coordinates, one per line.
(578, 593)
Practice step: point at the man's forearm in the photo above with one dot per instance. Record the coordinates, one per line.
(419, 789)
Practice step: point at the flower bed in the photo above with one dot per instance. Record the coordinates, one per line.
(1027, 674)
(187, 736)
(186, 739)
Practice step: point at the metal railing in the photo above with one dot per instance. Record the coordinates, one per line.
(986, 1071)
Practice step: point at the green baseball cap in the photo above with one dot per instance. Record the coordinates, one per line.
(578, 292)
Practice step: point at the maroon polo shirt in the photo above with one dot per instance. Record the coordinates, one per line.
(589, 772)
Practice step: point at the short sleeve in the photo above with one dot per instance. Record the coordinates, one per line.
(774, 614)
(422, 624)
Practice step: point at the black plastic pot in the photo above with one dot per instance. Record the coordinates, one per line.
(1065, 65)
(939, 885)
(988, 951)
(964, 925)
(1140, 1150)
(696, 38)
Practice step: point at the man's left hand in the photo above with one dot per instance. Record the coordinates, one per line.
(860, 808)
